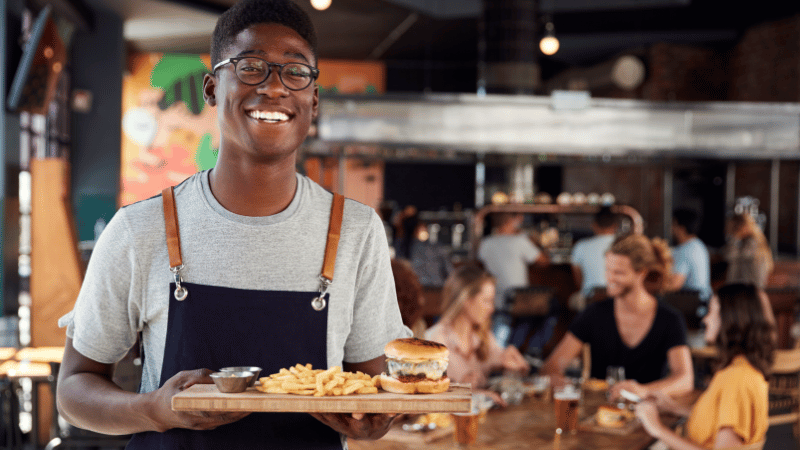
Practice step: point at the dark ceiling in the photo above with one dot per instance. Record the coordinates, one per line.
(434, 42)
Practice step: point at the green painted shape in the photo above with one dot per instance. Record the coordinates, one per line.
(206, 156)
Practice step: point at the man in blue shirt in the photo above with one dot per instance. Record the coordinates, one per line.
(589, 257)
(691, 267)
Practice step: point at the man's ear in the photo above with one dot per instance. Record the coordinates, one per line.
(209, 89)
(315, 104)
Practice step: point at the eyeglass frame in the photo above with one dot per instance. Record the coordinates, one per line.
(235, 61)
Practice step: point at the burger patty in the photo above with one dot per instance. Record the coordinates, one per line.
(411, 378)
(433, 370)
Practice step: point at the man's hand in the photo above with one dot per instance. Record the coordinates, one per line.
(165, 418)
(630, 386)
(358, 425)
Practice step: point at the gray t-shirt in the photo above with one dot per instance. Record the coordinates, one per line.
(127, 282)
(507, 258)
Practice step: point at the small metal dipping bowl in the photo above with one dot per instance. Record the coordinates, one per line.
(231, 382)
(256, 372)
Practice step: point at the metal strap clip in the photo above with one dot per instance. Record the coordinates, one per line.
(319, 302)
(180, 291)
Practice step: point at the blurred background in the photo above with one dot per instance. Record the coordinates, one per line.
(431, 109)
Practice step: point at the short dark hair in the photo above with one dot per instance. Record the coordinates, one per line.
(605, 218)
(688, 219)
(252, 12)
(744, 328)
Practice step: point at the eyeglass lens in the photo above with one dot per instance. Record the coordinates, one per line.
(293, 76)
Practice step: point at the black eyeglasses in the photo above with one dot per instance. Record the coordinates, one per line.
(252, 71)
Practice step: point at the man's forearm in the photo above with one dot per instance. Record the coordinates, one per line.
(676, 384)
(93, 402)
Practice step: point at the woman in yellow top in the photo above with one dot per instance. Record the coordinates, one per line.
(733, 410)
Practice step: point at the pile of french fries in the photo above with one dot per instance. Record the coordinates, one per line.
(303, 380)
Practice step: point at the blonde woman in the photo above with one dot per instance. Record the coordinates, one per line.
(747, 252)
(468, 296)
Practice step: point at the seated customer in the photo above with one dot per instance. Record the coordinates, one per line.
(692, 270)
(588, 257)
(409, 296)
(631, 329)
(733, 410)
(468, 300)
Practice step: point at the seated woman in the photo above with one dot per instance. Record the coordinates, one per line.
(465, 328)
(733, 410)
(631, 329)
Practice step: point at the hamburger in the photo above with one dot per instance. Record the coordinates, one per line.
(415, 366)
(612, 417)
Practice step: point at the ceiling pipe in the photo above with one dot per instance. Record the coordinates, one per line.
(398, 31)
(624, 72)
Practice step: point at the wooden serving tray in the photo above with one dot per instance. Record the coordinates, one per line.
(206, 397)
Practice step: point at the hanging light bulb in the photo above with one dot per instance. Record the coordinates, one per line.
(549, 44)
(321, 4)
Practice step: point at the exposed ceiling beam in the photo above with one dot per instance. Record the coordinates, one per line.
(73, 10)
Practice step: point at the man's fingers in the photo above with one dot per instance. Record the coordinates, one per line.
(358, 416)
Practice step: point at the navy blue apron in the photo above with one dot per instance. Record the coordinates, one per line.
(214, 327)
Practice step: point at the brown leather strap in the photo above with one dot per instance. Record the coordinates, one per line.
(173, 232)
(334, 231)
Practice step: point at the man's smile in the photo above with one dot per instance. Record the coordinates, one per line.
(269, 116)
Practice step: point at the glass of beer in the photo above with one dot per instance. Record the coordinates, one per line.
(566, 401)
(466, 424)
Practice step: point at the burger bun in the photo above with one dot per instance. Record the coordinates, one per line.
(426, 386)
(612, 417)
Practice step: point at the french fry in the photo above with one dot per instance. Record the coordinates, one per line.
(292, 386)
(303, 379)
(331, 384)
(353, 387)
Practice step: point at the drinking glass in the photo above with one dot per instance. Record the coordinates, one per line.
(614, 374)
(565, 402)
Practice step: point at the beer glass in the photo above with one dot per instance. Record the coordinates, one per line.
(565, 401)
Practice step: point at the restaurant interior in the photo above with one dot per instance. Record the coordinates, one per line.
(437, 114)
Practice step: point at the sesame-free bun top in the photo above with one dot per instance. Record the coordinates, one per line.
(416, 350)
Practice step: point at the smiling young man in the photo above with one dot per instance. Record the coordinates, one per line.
(631, 329)
(226, 269)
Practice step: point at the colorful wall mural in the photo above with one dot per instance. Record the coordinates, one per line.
(169, 133)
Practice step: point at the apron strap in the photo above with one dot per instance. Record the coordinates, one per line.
(334, 232)
(174, 236)
(173, 232)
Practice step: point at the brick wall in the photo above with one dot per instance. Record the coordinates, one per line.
(638, 186)
(765, 65)
(685, 73)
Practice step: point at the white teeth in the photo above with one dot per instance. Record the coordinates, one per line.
(269, 116)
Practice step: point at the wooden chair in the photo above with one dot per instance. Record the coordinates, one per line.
(531, 301)
(784, 301)
(597, 294)
(687, 302)
(753, 446)
(784, 390)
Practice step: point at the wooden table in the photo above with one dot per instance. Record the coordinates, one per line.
(532, 425)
